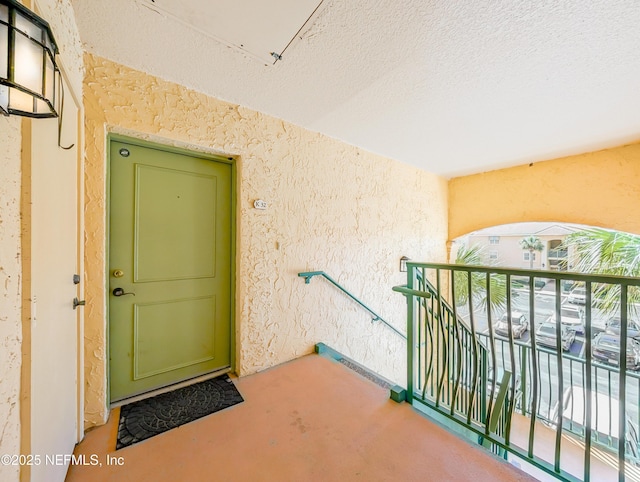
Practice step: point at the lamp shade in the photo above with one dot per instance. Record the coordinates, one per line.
(403, 264)
(28, 71)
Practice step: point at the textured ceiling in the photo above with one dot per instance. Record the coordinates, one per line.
(454, 87)
(262, 29)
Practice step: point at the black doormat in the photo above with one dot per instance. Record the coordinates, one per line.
(152, 416)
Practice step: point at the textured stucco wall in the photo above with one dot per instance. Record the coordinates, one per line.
(332, 207)
(600, 188)
(61, 18)
(10, 295)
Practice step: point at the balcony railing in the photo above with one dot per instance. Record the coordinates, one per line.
(557, 253)
(496, 352)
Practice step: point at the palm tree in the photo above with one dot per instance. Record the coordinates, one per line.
(472, 256)
(531, 244)
(601, 251)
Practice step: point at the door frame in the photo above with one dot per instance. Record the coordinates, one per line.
(169, 146)
(27, 307)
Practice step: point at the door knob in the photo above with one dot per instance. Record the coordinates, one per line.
(77, 302)
(120, 292)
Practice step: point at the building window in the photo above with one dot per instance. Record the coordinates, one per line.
(493, 255)
(526, 256)
(556, 250)
(494, 239)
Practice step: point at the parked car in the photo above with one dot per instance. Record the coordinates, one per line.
(523, 282)
(570, 316)
(598, 325)
(613, 326)
(606, 349)
(546, 336)
(519, 324)
(567, 285)
(578, 296)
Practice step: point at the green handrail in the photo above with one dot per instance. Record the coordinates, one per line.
(407, 291)
(308, 275)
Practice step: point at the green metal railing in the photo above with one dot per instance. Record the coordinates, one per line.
(308, 275)
(453, 339)
(460, 368)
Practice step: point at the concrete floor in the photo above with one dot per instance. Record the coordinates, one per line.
(311, 419)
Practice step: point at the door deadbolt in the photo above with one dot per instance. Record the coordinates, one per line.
(120, 292)
(118, 273)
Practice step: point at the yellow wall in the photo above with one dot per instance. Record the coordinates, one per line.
(332, 207)
(598, 189)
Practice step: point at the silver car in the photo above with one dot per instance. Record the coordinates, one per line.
(519, 325)
(613, 326)
(546, 336)
(570, 316)
(578, 296)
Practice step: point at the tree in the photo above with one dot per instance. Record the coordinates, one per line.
(472, 256)
(601, 251)
(531, 244)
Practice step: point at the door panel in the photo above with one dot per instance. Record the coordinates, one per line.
(193, 343)
(170, 253)
(169, 219)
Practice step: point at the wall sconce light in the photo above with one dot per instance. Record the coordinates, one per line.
(403, 264)
(28, 71)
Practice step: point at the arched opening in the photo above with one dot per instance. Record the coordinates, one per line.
(552, 191)
(553, 247)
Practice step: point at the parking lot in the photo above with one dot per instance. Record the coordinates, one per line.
(545, 305)
(604, 378)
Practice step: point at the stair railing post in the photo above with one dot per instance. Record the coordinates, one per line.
(411, 322)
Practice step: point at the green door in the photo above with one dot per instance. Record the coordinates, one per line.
(169, 268)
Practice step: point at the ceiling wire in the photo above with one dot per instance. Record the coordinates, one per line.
(278, 56)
